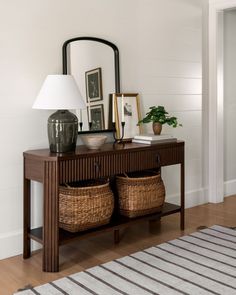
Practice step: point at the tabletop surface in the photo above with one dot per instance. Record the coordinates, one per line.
(106, 148)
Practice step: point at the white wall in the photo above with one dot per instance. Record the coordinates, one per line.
(160, 53)
(170, 60)
(229, 101)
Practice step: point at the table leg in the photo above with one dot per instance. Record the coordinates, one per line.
(182, 189)
(116, 236)
(26, 221)
(51, 215)
(154, 222)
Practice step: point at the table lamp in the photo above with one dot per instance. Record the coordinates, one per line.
(61, 93)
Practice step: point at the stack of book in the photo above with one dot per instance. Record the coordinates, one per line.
(153, 139)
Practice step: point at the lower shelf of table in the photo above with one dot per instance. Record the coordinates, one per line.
(116, 223)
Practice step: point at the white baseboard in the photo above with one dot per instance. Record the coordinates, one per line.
(11, 244)
(230, 188)
(192, 198)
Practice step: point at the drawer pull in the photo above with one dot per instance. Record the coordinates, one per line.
(158, 159)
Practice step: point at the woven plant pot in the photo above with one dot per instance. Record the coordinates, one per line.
(81, 208)
(140, 195)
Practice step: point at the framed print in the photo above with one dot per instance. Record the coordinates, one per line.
(93, 81)
(127, 109)
(96, 116)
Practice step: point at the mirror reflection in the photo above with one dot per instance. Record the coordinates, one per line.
(93, 66)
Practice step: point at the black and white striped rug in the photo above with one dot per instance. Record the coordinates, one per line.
(201, 263)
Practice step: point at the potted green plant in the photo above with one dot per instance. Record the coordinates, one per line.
(159, 116)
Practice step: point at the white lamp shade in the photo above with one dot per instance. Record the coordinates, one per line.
(59, 92)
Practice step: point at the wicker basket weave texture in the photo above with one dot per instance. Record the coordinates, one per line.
(81, 208)
(140, 196)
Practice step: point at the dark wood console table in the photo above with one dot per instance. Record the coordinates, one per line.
(55, 169)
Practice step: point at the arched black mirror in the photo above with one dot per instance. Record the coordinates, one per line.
(94, 63)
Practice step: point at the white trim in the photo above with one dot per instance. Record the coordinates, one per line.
(192, 198)
(205, 103)
(222, 4)
(230, 187)
(220, 106)
(215, 106)
(212, 110)
(11, 244)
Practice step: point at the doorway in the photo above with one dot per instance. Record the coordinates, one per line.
(214, 108)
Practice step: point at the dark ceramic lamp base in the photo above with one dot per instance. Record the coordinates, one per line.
(62, 131)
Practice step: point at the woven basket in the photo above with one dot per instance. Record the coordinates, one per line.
(140, 195)
(81, 208)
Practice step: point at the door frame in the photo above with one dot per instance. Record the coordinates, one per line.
(214, 110)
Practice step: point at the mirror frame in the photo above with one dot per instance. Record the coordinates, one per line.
(116, 66)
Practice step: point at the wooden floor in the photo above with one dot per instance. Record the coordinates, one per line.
(16, 273)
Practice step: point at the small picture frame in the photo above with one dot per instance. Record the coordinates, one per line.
(93, 81)
(131, 114)
(96, 116)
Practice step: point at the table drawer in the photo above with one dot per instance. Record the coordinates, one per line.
(116, 163)
(93, 167)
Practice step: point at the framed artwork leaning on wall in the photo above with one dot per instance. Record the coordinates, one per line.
(96, 116)
(127, 109)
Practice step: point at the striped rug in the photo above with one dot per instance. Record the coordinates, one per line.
(201, 263)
